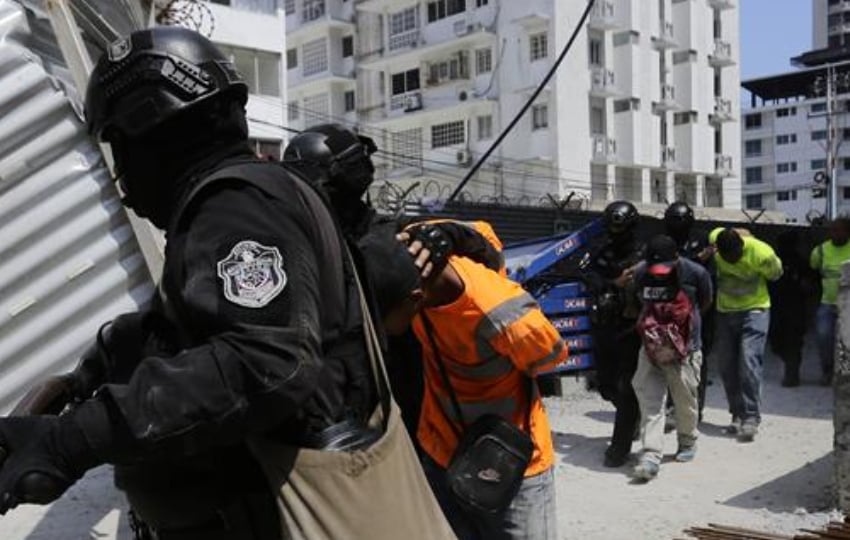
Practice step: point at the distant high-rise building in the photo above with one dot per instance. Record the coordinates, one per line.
(642, 108)
(789, 149)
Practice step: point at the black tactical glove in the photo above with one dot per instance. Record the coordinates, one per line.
(434, 240)
(42, 456)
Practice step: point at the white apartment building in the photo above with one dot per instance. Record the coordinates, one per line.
(641, 108)
(784, 130)
(252, 33)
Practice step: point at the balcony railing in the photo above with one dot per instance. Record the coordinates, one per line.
(604, 148)
(722, 55)
(722, 110)
(406, 39)
(312, 11)
(722, 4)
(723, 165)
(603, 16)
(408, 102)
(666, 38)
(602, 82)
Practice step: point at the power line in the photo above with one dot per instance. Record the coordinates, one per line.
(527, 104)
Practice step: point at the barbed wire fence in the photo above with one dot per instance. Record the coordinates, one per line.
(191, 14)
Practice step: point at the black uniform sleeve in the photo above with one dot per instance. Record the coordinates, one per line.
(249, 296)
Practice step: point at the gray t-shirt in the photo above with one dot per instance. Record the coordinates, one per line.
(696, 282)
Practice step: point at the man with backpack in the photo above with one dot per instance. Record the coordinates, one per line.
(674, 292)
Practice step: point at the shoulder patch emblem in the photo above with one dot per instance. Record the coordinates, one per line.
(252, 273)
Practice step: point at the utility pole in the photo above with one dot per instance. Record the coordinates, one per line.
(831, 85)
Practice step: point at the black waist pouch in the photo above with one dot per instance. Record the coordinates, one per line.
(489, 464)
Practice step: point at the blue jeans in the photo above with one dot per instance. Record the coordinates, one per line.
(739, 348)
(531, 515)
(825, 326)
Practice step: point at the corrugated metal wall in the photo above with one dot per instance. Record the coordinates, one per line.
(68, 257)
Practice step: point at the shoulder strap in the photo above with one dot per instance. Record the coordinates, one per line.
(444, 375)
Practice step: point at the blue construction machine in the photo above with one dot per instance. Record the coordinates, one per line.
(550, 269)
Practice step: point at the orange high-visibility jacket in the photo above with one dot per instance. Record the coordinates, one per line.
(489, 337)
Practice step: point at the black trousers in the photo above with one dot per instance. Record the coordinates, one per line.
(616, 354)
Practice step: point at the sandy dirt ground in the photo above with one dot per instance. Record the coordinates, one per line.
(780, 483)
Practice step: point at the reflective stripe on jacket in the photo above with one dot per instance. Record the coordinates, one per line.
(488, 338)
(827, 258)
(743, 286)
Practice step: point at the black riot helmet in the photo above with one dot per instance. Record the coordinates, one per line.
(151, 76)
(165, 99)
(620, 217)
(339, 157)
(678, 219)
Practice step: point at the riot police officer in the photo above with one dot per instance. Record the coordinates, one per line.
(609, 274)
(339, 161)
(678, 224)
(253, 332)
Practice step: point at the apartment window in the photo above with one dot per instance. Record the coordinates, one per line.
(485, 127)
(292, 111)
(834, 41)
(289, 7)
(594, 49)
(312, 10)
(818, 107)
(753, 175)
(686, 117)
(539, 44)
(790, 138)
(752, 121)
(404, 26)
(752, 147)
(349, 101)
(406, 81)
(786, 111)
(407, 148)
(818, 193)
(448, 134)
(783, 196)
(846, 164)
(291, 58)
(454, 68)
(628, 104)
(480, 3)
(597, 120)
(818, 164)
(445, 8)
(753, 202)
(261, 70)
(819, 135)
(314, 56)
(845, 192)
(484, 60)
(539, 117)
(785, 168)
(680, 57)
(347, 46)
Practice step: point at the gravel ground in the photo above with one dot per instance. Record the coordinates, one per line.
(779, 483)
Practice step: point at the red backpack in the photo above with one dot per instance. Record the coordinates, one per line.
(665, 329)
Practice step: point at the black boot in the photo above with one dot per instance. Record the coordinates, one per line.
(792, 370)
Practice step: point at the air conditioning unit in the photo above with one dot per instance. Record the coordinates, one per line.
(413, 102)
(463, 157)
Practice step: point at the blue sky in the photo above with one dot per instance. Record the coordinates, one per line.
(772, 31)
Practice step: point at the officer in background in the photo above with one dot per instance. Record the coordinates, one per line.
(339, 161)
(678, 225)
(609, 274)
(250, 335)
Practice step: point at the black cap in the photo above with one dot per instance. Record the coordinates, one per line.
(392, 273)
(661, 255)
